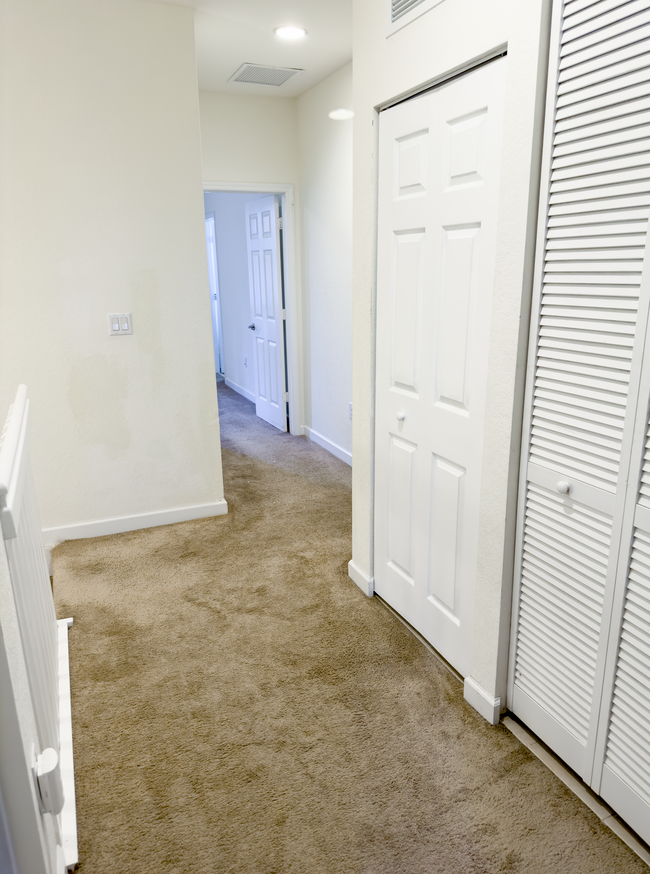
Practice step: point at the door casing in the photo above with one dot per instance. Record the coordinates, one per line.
(292, 287)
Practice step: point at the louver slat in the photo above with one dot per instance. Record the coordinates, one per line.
(597, 42)
(563, 582)
(596, 15)
(644, 485)
(598, 214)
(617, 58)
(628, 741)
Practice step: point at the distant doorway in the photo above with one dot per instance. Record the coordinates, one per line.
(254, 313)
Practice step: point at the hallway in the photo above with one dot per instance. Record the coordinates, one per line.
(240, 706)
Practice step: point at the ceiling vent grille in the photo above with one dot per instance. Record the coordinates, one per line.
(257, 74)
(400, 8)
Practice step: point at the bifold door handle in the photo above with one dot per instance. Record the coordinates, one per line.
(251, 327)
(563, 487)
(401, 417)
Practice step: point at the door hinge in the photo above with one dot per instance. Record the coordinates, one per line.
(283, 314)
(285, 395)
(280, 224)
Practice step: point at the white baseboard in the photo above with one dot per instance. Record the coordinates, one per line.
(481, 701)
(54, 536)
(334, 448)
(69, 813)
(365, 583)
(240, 390)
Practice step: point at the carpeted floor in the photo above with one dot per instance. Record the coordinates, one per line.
(240, 706)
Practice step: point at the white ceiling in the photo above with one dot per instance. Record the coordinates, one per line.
(232, 32)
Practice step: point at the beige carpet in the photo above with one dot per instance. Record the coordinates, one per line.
(240, 706)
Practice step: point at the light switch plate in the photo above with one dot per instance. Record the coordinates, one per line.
(120, 323)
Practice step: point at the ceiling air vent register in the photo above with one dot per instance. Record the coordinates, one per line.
(258, 74)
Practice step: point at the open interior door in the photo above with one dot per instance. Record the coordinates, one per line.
(267, 314)
(213, 274)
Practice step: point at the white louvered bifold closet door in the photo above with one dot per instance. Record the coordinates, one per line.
(587, 334)
(622, 760)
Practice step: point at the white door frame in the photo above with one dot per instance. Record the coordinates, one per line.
(292, 288)
(216, 303)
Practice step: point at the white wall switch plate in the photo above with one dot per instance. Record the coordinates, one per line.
(120, 323)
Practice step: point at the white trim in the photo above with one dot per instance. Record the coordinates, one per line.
(365, 583)
(596, 804)
(69, 812)
(252, 187)
(447, 76)
(120, 524)
(292, 285)
(332, 447)
(481, 701)
(240, 390)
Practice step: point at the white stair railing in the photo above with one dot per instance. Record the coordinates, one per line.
(44, 640)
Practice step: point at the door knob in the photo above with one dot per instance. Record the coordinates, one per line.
(251, 327)
(563, 487)
(401, 417)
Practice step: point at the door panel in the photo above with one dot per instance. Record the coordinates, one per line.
(622, 759)
(262, 237)
(400, 508)
(455, 307)
(409, 253)
(446, 496)
(439, 167)
(563, 578)
(580, 642)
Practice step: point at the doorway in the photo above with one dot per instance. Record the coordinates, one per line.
(241, 331)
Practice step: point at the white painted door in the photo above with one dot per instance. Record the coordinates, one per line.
(439, 162)
(580, 643)
(267, 314)
(621, 772)
(213, 276)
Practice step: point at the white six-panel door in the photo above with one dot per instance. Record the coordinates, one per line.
(267, 315)
(439, 164)
(580, 655)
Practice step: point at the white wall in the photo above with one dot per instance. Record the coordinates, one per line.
(101, 211)
(248, 139)
(278, 140)
(442, 40)
(229, 210)
(326, 195)
(253, 140)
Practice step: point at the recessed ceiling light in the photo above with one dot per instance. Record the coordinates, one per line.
(288, 31)
(341, 114)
